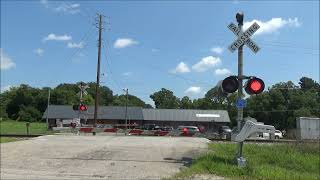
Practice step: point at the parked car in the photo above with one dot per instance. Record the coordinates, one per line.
(278, 134)
(189, 130)
(149, 126)
(225, 130)
(167, 128)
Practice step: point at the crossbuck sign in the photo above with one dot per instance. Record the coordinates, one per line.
(244, 37)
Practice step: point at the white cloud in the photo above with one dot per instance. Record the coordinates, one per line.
(5, 88)
(53, 37)
(124, 42)
(235, 2)
(68, 8)
(193, 90)
(217, 50)
(39, 51)
(80, 45)
(127, 74)
(222, 72)
(206, 63)
(6, 61)
(272, 25)
(181, 68)
(45, 3)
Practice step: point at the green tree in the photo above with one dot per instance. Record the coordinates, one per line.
(106, 94)
(308, 83)
(132, 101)
(29, 113)
(165, 99)
(186, 103)
(18, 96)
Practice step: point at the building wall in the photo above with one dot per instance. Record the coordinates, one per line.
(308, 128)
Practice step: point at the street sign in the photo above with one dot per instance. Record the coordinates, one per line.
(241, 103)
(244, 37)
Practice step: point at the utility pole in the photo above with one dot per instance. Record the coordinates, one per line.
(98, 75)
(239, 18)
(48, 104)
(126, 113)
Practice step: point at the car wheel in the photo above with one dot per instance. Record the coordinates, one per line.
(277, 137)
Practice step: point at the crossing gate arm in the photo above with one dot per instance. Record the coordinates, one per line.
(250, 128)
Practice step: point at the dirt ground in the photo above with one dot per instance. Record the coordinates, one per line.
(98, 157)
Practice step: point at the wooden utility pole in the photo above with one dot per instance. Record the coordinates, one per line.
(48, 104)
(98, 74)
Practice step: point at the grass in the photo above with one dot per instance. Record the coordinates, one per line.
(8, 139)
(17, 127)
(275, 161)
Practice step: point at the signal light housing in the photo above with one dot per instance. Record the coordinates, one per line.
(230, 84)
(254, 86)
(80, 107)
(75, 107)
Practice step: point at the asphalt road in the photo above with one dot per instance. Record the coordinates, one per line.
(98, 157)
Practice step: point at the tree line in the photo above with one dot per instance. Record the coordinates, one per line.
(279, 105)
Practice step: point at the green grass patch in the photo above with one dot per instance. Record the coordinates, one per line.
(8, 139)
(18, 127)
(275, 161)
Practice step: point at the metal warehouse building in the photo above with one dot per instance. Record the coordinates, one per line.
(210, 119)
(308, 128)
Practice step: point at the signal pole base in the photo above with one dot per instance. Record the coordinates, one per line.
(241, 161)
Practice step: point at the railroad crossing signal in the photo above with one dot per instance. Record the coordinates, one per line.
(80, 107)
(231, 84)
(244, 37)
(254, 86)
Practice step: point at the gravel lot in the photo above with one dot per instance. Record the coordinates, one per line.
(98, 157)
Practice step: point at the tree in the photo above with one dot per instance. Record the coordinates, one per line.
(308, 83)
(165, 99)
(186, 103)
(106, 94)
(29, 114)
(202, 103)
(132, 101)
(18, 96)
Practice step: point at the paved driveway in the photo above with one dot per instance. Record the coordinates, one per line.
(98, 157)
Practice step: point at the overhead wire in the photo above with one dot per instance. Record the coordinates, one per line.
(84, 39)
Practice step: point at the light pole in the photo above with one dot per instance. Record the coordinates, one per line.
(126, 113)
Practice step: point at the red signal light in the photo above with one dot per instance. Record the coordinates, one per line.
(254, 86)
(82, 107)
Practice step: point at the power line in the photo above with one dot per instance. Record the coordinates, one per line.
(83, 39)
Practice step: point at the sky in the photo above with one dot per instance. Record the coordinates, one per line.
(146, 46)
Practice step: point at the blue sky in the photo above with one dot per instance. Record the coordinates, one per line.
(177, 45)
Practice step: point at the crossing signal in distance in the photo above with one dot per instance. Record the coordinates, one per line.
(80, 107)
(254, 86)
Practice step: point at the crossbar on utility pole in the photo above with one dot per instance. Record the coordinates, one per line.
(98, 75)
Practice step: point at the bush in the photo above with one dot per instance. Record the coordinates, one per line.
(29, 114)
